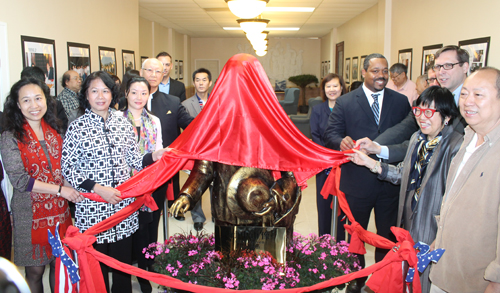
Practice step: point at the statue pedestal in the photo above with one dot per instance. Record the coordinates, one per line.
(236, 238)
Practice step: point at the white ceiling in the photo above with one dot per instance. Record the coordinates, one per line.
(206, 18)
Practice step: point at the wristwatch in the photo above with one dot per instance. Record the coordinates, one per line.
(59, 191)
(374, 169)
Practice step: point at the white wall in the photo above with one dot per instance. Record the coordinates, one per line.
(110, 23)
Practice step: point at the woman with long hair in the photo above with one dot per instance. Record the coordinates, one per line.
(332, 87)
(147, 130)
(31, 147)
(99, 151)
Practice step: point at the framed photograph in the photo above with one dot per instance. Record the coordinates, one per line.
(42, 54)
(128, 58)
(328, 68)
(405, 57)
(181, 69)
(79, 59)
(361, 66)
(4, 64)
(143, 58)
(176, 71)
(347, 70)
(478, 50)
(107, 60)
(354, 68)
(428, 53)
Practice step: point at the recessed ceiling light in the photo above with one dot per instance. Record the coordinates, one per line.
(233, 28)
(289, 9)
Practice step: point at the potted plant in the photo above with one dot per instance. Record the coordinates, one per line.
(310, 260)
(302, 81)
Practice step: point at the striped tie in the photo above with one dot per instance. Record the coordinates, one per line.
(375, 107)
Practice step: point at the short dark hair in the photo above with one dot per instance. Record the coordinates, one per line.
(328, 78)
(13, 119)
(202, 70)
(65, 78)
(355, 85)
(116, 78)
(366, 64)
(106, 79)
(163, 54)
(33, 72)
(444, 102)
(126, 77)
(130, 82)
(462, 55)
(398, 68)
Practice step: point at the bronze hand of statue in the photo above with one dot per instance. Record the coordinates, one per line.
(180, 205)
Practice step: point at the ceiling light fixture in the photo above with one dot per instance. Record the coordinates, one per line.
(261, 53)
(234, 28)
(247, 8)
(253, 26)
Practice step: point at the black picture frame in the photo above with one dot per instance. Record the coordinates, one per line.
(128, 59)
(428, 58)
(347, 70)
(143, 58)
(107, 59)
(79, 59)
(405, 57)
(355, 70)
(361, 67)
(41, 53)
(478, 50)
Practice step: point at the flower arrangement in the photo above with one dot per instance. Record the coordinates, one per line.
(310, 260)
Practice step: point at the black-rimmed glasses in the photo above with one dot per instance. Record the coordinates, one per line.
(446, 66)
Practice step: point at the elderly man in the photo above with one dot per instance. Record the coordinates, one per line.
(421, 84)
(168, 85)
(469, 225)
(72, 83)
(401, 83)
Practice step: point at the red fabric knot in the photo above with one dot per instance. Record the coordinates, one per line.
(150, 202)
(356, 245)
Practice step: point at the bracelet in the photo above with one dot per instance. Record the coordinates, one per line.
(374, 169)
(59, 191)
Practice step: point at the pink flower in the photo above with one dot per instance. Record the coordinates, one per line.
(192, 252)
(322, 276)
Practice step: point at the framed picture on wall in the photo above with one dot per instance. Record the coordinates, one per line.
(176, 69)
(339, 57)
(107, 60)
(478, 50)
(354, 68)
(328, 67)
(79, 59)
(41, 53)
(181, 69)
(143, 58)
(405, 57)
(347, 70)
(323, 66)
(361, 66)
(128, 60)
(428, 53)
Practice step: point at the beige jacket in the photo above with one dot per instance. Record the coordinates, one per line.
(469, 224)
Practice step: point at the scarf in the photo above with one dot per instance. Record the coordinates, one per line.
(420, 158)
(147, 136)
(48, 209)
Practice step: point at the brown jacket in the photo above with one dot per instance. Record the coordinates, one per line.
(469, 224)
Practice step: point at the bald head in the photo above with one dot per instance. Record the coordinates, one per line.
(152, 71)
(71, 80)
(421, 84)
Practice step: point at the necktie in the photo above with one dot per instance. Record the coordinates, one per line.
(375, 107)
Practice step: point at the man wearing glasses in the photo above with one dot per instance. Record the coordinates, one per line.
(450, 67)
(401, 83)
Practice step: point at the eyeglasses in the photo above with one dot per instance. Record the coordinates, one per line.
(393, 77)
(446, 66)
(417, 111)
(151, 71)
(431, 80)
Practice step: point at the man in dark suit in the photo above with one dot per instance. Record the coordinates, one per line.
(167, 85)
(367, 112)
(450, 67)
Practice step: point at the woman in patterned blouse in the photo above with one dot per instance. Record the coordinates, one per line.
(99, 152)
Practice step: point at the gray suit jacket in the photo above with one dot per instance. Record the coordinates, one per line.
(192, 106)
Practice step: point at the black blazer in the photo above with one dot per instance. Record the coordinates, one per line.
(172, 116)
(177, 89)
(352, 116)
(319, 121)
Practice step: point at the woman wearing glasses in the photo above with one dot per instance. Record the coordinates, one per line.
(423, 172)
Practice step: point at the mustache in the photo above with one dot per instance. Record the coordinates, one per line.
(382, 78)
